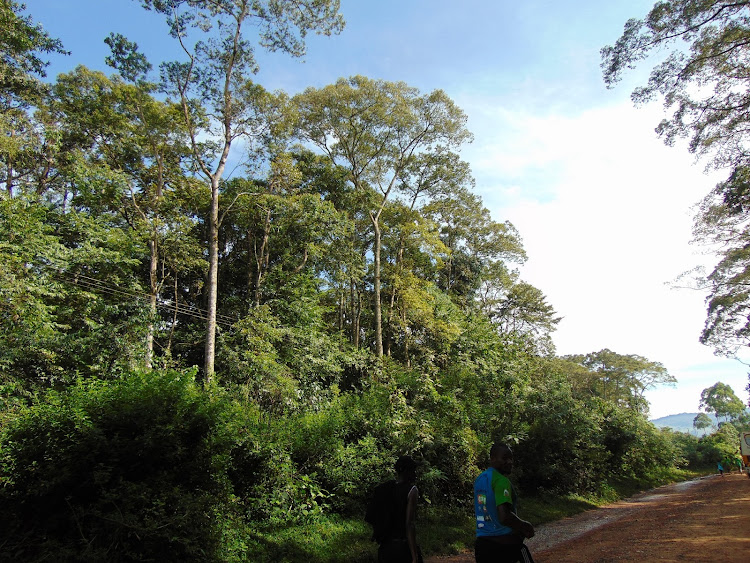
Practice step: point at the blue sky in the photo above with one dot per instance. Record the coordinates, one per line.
(602, 205)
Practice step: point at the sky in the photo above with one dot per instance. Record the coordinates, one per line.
(604, 208)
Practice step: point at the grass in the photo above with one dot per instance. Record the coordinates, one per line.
(333, 539)
(329, 539)
(445, 531)
(440, 530)
(548, 508)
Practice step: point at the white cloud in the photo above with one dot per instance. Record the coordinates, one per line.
(604, 209)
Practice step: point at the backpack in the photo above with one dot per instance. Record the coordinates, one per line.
(378, 513)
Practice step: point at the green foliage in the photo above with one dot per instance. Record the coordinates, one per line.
(562, 450)
(688, 447)
(721, 400)
(352, 444)
(619, 378)
(68, 286)
(263, 476)
(366, 304)
(28, 286)
(637, 449)
(116, 471)
(248, 358)
(21, 43)
(24, 141)
(702, 421)
(701, 74)
(708, 42)
(722, 444)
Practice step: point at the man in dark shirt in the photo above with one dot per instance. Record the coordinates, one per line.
(393, 514)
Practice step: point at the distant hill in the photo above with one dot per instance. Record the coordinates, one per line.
(682, 422)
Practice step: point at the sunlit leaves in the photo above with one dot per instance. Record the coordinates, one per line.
(621, 379)
(721, 400)
(22, 43)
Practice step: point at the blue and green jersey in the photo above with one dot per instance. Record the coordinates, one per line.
(491, 489)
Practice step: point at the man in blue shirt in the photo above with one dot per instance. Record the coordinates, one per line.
(500, 532)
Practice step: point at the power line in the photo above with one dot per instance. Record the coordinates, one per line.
(97, 286)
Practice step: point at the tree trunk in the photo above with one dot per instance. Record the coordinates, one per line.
(9, 171)
(213, 281)
(356, 306)
(261, 258)
(168, 350)
(406, 342)
(9, 179)
(342, 304)
(392, 304)
(154, 265)
(376, 286)
(153, 296)
(355, 315)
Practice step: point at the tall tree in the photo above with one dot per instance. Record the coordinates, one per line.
(411, 247)
(702, 421)
(480, 249)
(121, 131)
(704, 80)
(22, 44)
(376, 129)
(413, 244)
(218, 101)
(520, 309)
(723, 223)
(622, 379)
(29, 327)
(282, 231)
(344, 266)
(721, 400)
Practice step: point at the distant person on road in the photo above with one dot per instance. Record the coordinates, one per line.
(500, 532)
(392, 512)
(720, 467)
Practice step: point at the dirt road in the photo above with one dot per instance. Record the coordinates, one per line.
(704, 520)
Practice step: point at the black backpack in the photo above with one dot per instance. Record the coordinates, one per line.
(379, 511)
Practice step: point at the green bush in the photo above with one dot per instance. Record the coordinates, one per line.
(124, 470)
(349, 446)
(722, 444)
(561, 451)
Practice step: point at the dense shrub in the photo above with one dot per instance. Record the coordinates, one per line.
(155, 467)
(561, 451)
(687, 446)
(720, 445)
(124, 470)
(351, 444)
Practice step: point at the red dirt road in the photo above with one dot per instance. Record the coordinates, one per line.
(705, 520)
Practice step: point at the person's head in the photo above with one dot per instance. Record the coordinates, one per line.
(501, 458)
(406, 468)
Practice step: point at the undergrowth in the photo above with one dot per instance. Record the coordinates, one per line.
(445, 531)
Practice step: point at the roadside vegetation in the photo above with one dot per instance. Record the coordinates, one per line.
(202, 368)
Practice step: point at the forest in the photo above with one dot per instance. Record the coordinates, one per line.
(204, 366)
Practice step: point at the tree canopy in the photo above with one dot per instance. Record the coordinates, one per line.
(702, 80)
(721, 400)
(199, 363)
(702, 77)
(622, 378)
(215, 78)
